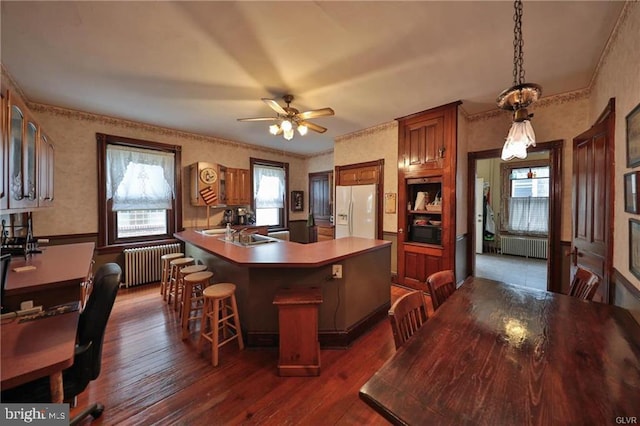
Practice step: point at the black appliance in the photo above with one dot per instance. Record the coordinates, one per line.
(429, 234)
(229, 217)
(241, 216)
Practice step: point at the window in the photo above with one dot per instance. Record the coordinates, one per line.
(526, 205)
(139, 191)
(270, 188)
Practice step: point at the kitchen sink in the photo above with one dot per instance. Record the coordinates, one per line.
(249, 240)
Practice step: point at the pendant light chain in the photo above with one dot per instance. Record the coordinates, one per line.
(518, 45)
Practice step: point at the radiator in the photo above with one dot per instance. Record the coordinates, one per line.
(143, 265)
(524, 246)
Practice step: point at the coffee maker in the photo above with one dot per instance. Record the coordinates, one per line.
(229, 217)
(241, 216)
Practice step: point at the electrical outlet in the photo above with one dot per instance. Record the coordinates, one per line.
(336, 271)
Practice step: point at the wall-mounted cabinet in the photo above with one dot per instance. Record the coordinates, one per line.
(28, 159)
(231, 186)
(426, 194)
(358, 176)
(238, 187)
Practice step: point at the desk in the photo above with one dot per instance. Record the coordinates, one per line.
(498, 354)
(60, 271)
(39, 348)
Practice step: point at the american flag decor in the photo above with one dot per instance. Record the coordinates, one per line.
(208, 195)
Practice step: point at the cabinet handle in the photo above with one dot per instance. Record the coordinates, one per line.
(400, 231)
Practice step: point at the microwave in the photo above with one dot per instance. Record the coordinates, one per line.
(426, 234)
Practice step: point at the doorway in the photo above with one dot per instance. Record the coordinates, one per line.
(525, 253)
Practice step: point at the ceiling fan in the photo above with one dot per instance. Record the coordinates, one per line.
(290, 118)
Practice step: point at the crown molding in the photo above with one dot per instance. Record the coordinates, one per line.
(368, 131)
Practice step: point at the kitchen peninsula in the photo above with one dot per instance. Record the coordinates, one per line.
(351, 304)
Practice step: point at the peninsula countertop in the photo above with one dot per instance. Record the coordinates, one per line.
(282, 253)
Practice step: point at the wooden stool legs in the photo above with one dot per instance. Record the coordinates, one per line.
(221, 312)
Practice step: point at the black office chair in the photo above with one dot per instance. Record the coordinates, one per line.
(86, 363)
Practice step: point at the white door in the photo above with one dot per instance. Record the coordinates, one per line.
(363, 211)
(343, 211)
(479, 214)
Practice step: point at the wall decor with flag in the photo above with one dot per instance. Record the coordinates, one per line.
(209, 196)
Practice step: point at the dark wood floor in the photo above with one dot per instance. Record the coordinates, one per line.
(150, 376)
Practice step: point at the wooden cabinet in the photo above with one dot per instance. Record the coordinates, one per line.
(238, 187)
(321, 195)
(208, 175)
(27, 159)
(427, 171)
(358, 176)
(46, 162)
(325, 232)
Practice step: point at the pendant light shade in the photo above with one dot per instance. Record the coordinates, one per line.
(518, 97)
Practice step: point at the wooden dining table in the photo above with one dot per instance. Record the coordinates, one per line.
(499, 354)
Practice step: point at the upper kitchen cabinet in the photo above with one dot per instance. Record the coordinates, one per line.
(364, 175)
(23, 181)
(208, 175)
(238, 187)
(46, 163)
(427, 138)
(4, 192)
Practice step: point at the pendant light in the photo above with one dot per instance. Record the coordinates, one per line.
(518, 97)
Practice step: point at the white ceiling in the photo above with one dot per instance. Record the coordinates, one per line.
(198, 66)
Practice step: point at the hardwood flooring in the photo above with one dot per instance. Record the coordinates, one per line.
(150, 376)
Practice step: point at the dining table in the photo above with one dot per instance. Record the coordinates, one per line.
(500, 354)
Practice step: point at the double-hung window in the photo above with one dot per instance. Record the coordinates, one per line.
(270, 183)
(139, 196)
(528, 199)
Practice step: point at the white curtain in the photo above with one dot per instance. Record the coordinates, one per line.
(529, 214)
(268, 187)
(139, 179)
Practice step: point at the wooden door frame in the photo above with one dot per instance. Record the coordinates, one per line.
(554, 260)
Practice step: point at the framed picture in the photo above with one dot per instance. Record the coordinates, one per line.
(390, 202)
(297, 201)
(634, 247)
(633, 137)
(631, 194)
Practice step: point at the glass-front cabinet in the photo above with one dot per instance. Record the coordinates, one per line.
(27, 159)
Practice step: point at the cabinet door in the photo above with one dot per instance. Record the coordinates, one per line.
(368, 175)
(418, 266)
(244, 187)
(4, 166)
(232, 187)
(424, 144)
(348, 177)
(45, 171)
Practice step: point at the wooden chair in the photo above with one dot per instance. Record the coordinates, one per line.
(406, 316)
(584, 284)
(441, 285)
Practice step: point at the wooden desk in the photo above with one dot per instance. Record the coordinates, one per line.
(497, 354)
(60, 271)
(39, 348)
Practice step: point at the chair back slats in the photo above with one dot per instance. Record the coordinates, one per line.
(584, 284)
(406, 316)
(441, 285)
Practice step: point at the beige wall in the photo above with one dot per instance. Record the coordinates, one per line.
(76, 178)
(619, 78)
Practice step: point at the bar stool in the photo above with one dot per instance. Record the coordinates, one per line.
(182, 273)
(192, 299)
(176, 266)
(219, 308)
(166, 270)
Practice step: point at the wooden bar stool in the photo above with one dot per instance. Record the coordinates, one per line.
(166, 270)
(192, 299)
(219, 308)
(176, 266)
(182, 273)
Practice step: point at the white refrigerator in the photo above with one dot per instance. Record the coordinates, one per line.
(356, 208)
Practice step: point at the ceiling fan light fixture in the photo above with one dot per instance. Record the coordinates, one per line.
(288, 134)
(286, 125)
(302, 129)
(518, 97)
(274, 129)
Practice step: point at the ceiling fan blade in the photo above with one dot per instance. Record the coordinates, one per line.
(258, 119)
(313, 126)
(274, 106)
(322, 112)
